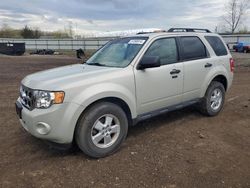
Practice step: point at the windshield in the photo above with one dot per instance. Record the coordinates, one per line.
(118, 53)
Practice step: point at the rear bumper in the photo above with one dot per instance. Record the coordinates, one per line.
(55, 124)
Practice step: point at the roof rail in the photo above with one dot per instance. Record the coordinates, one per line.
(189, 30)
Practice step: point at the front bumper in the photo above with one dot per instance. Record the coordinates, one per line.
(55, 124)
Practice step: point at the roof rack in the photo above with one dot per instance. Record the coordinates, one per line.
(189, 30)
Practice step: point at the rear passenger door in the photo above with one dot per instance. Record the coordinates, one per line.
(196, 64)
(221, 56)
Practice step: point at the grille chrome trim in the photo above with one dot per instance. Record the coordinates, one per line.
(27, 97)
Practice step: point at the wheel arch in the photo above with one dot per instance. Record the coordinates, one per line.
(115, 100)
(220, 77)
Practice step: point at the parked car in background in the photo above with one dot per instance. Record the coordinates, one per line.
(243, 47)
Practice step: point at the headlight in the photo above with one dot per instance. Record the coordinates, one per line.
(44, 99)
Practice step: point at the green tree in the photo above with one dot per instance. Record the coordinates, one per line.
(26, 32)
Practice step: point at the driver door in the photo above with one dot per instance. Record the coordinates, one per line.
(162, 86)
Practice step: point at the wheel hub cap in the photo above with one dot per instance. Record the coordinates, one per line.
(216, 99)
(105, 131)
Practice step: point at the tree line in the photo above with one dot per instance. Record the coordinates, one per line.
(31, 33)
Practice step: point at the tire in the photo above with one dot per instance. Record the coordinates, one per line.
(105, 121)
(213, 101)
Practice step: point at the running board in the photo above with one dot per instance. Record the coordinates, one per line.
(163, 111)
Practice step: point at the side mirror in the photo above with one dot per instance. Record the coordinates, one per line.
(149, 62)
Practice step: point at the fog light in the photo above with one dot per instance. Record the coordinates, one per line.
(43, 128)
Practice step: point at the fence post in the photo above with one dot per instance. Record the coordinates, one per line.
(58, 44)
(36, 44)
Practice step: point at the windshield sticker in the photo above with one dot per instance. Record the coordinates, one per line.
(136, 42)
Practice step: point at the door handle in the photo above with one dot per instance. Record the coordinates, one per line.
(175, 71)
(208, 65)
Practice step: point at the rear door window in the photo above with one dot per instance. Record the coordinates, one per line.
(217, 45)
(192, 48)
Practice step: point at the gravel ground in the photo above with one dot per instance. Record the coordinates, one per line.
(178, 149)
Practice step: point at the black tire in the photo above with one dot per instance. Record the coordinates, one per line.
(84, 129)
(205, 104)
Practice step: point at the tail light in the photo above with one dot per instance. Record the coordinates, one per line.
(232, 64)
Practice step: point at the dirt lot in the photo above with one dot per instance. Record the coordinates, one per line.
(179, 149)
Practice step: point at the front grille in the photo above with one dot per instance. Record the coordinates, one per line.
(27, 97)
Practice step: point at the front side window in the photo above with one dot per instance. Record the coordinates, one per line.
(165, 49)
(193, 48)
(217, 45)
(118, 53)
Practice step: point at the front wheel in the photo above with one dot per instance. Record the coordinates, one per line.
(213, 100)
(101, 129)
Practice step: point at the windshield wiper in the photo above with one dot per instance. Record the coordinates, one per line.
(96, 64)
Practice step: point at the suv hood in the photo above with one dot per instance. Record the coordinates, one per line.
(58, 78)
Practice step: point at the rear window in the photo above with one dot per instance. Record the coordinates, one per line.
(193, 48)
(217, 45)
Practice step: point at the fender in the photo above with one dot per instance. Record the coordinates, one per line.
(104, 90)
(219, 70)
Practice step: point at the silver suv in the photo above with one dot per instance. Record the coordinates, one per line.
(126, 81)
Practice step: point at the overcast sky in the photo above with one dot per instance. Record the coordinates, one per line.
(112, 15)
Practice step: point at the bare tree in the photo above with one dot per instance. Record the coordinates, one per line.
(69, 29)
(235, 11)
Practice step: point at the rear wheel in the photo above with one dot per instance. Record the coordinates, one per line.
(213, 100)
(102, 129)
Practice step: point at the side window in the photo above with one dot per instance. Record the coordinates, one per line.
(217, 45)
(165, 49)
(193, 48)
